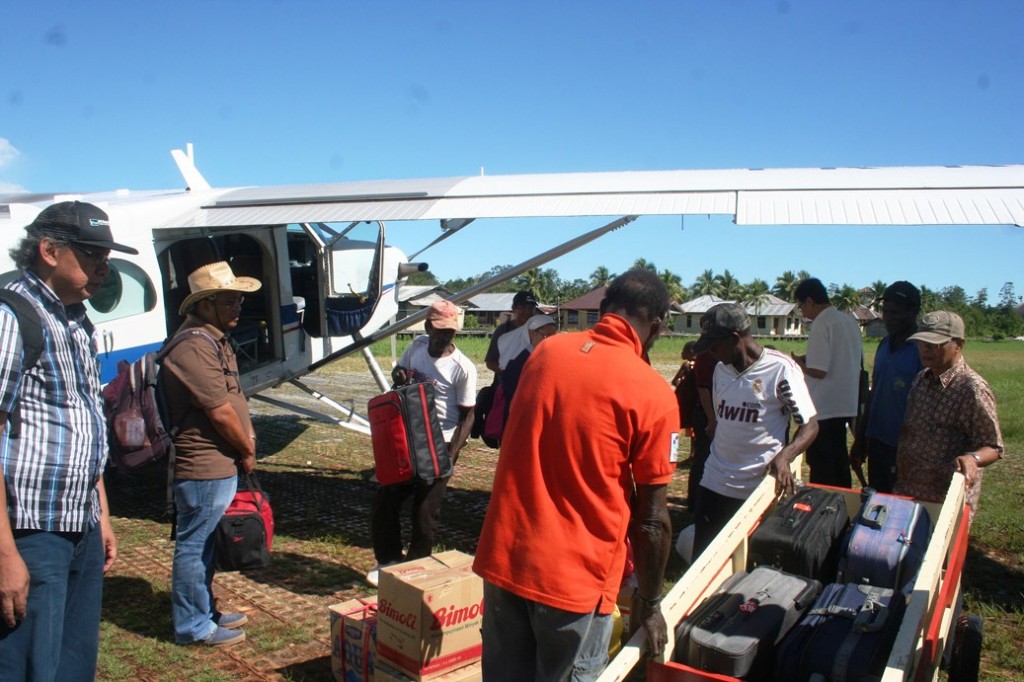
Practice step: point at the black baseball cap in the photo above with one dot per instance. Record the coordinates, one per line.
(720, 322)
(78, 223)
(524, 298)
(904, 292)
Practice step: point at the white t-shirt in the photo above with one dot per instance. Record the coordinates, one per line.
(453, 377)
(753, 409)
(511, 344)
(835, 347)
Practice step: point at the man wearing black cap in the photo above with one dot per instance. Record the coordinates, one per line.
(756, 391)
(897, 362)
(524, 306)
(55, 533)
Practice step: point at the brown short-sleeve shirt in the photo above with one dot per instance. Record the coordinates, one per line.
(947, 416)
(196, 379)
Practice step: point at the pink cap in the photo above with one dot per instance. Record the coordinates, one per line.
(444, 315)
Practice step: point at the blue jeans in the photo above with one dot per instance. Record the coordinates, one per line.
(524, 640)
(200, 506)
(59, 638)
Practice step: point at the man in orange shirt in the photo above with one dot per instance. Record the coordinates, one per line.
(588, 453)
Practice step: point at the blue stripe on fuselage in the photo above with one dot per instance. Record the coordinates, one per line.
(108, 361)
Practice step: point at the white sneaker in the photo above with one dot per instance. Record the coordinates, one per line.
(373, 577)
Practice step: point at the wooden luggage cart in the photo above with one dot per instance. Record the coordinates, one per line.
(928, 623)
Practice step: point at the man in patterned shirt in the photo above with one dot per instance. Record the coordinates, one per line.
(55, 535)
(951, 422)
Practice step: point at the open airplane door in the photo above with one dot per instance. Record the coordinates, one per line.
(350, 277)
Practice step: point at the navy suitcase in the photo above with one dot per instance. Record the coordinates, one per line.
(846, 636)
(406, 435)
(886, 542)
(735, 630)
(802, 535)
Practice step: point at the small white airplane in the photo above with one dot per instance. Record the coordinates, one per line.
(327, 294)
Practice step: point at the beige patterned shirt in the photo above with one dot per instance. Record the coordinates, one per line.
(947, 416)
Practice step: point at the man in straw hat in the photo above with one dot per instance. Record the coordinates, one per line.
(215, 440)
(951, 422)
(55, 532)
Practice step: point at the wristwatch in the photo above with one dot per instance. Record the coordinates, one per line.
(976, 456)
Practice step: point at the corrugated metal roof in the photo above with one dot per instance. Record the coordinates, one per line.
(700, 305)
(493, 303)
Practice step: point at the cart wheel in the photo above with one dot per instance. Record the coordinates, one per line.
(966, 660)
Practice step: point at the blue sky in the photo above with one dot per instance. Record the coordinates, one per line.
(94, 94)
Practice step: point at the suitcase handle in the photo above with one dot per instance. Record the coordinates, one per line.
(875, 516)
(871, 617)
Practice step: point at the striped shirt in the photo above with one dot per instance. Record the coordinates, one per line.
(51, 470)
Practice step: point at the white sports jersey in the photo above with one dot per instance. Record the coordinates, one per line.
(753, 408)
(453, 377)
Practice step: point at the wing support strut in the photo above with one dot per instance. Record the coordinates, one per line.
(466, 294)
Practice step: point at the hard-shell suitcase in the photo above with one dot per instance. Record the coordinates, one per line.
(734, 631)
(886, 542)
(407, 439)
(802, 535)
(846, 636)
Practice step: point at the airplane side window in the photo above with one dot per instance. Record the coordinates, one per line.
(127, 290)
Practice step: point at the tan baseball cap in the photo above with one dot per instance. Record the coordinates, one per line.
(939, 327)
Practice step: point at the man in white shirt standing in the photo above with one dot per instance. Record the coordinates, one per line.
(835, 355)
(756, 391)
(431, 358)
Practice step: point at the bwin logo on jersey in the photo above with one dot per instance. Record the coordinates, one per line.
(98, 222)
(747, 412)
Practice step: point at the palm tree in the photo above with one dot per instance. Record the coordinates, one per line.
(600, 277)
(756, 294)
(644, 264)
(785, 285)
(543, 283)
(844, 298)
(706, 284)
(674, 284)
(729, 287)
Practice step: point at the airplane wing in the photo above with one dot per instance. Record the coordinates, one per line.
(927, 195)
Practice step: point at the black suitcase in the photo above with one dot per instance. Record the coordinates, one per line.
(802, 535)
(406, 435)
(735, 630)
(847, 635)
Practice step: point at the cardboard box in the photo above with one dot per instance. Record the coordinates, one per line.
(429, 615)
(470, 673)
(354, 639)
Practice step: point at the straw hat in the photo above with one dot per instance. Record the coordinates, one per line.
(214, 278)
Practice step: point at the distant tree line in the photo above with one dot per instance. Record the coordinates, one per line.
(998, 319)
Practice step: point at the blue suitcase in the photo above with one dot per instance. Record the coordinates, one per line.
(886, 543)
(847, 635)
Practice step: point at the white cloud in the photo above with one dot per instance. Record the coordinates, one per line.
(8, 152)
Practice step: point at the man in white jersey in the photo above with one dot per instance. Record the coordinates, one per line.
(756, 392)
(431, 358)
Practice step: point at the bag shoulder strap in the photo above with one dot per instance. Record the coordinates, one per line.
(30, 324)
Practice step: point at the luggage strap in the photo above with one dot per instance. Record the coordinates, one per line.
(870, 617)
